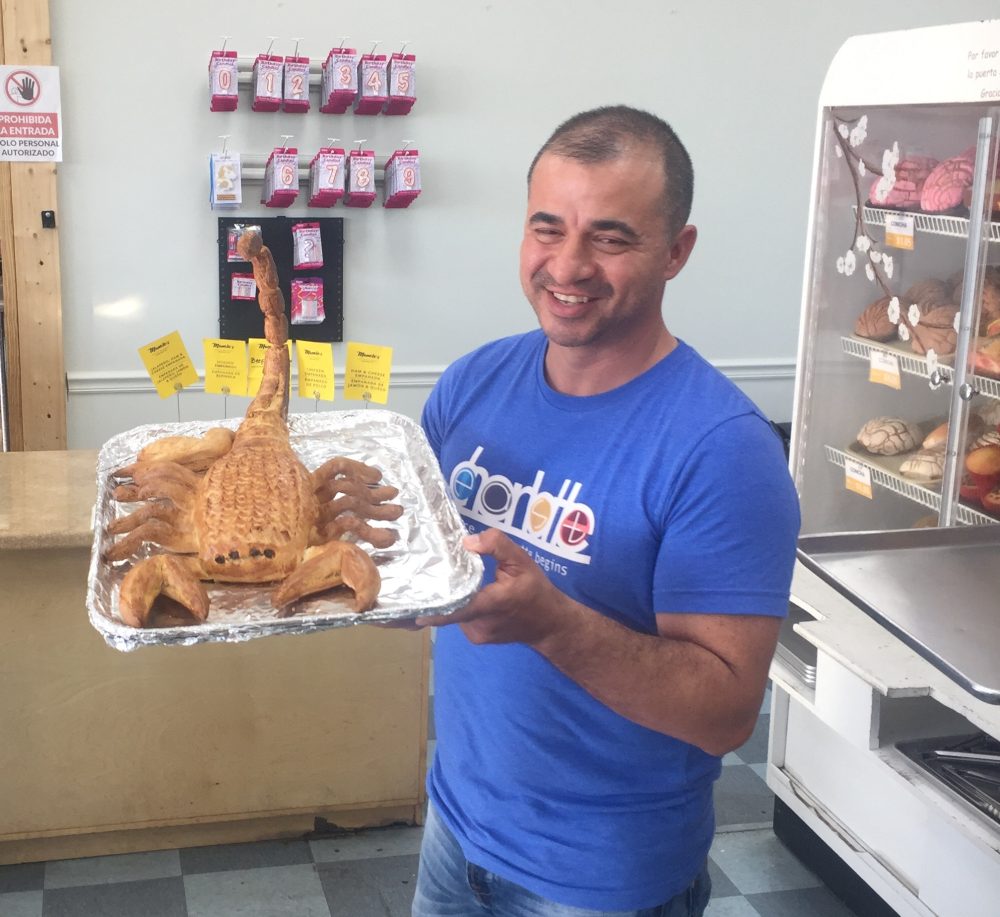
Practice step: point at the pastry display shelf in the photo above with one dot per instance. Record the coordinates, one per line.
(912, 363)
(885, 473)
(933, 223)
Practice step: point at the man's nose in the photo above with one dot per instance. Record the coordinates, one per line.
(571, 262)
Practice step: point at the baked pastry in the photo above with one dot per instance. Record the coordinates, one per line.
(926, 465)
(989, 301)
(986, 357)
(904, 193)
(937, 438)
(992, 195)
(935, 330)
(874, 322)
(927, 294)
(989, 438)
(889, 436)
(944, 187)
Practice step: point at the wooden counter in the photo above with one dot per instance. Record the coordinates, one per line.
(108, 752)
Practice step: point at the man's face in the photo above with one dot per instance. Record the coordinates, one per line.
(596, 252)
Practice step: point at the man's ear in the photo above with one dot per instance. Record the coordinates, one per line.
(680, 251)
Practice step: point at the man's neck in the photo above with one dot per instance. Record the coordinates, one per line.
(583, 371)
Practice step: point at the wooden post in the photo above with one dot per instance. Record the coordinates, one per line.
(36, 376)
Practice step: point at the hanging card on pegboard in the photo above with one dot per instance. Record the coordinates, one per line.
(241, 319)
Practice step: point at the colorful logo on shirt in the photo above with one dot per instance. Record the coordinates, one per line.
(556, 522)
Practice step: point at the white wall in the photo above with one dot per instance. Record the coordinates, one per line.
(739, 82)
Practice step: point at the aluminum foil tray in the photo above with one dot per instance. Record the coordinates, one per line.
(426, 572)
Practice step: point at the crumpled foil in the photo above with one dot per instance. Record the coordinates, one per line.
(427, 571)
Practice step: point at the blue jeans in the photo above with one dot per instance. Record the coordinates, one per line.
(448, 885)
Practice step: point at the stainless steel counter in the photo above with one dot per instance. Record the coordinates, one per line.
(938, 590)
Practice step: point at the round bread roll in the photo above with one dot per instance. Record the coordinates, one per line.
(926, 465)
(889, 436)
(937, 438)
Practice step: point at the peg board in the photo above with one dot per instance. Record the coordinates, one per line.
(242, 319)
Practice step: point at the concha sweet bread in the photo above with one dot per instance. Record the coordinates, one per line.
(889, 436)
(874, 322)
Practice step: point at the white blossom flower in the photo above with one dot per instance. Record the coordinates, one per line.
(862, 243)
(861, 167)
(887, 265)
(890, 158)
(843, 130)
(850, 262)
(870, 271)
(882, 189)
(838, 151)
(913, 314)
(894, 310)
(875, 255)
(860, 131)
(840, 265)
(904, 332)
(932, 360)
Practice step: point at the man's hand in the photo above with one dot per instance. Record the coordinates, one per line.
(520, 606)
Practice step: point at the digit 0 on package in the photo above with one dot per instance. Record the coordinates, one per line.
(223, 81)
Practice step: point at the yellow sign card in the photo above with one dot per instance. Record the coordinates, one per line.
(257, 347)
(366, 375)
(883, 369)
(899, 230)
(858, 478)
(315, 370)
(225, 366)
(168, 364)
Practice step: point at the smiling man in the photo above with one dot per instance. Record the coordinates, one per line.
(638, 525)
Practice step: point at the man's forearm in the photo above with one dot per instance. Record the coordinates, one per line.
(674, 686)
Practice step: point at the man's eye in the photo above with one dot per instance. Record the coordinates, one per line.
(546, 234)
(610, 243)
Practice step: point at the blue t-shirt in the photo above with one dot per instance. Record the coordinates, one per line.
(667, 494)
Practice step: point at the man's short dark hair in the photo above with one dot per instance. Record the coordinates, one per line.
(604, 134)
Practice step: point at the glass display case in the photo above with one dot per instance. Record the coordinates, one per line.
(885, 713)
(897, 400)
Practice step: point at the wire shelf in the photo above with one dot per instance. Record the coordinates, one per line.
(915, 365)
(937, 224)
(889, 479)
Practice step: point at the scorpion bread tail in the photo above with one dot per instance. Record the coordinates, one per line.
(272, 396)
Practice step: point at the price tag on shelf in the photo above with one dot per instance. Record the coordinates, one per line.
(225, 366)
(366, 373)
(899, 230)
(883, 369)
(858, 478)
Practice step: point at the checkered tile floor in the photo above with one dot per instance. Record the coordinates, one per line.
(371, 873)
